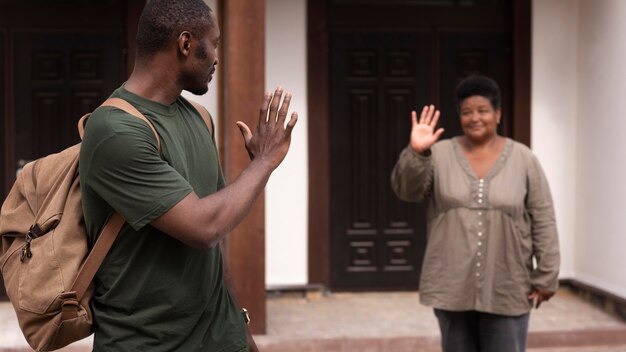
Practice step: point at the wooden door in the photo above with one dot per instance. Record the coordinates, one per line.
(377, 78)
(462, 53)
(385, 62)
(59, 61)
(3, 110)
(61, 76)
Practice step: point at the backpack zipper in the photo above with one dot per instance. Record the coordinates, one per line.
(33, 233)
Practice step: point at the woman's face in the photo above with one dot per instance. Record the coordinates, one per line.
(479, 119)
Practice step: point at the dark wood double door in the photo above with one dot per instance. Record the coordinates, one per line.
(379, 72)
(59, 61)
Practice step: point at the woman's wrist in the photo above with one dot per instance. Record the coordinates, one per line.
(423, 153)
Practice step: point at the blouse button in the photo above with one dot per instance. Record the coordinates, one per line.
(480, 201)
(480, 254)
(480, 243)
(480, 234)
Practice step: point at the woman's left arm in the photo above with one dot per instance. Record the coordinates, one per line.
(539, 206)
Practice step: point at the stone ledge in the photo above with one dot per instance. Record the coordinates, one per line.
(607, 301)
(575, 338)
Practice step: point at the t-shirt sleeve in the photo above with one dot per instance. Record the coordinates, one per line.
(127, 172)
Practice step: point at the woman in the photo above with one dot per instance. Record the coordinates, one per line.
(490, 215)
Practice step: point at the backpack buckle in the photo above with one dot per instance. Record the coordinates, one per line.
(70, 306)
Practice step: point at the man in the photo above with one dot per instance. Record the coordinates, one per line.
(161, 287)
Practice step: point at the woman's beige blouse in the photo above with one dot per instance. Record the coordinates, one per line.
(483, 234)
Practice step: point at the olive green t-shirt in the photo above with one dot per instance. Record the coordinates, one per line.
(154, 293)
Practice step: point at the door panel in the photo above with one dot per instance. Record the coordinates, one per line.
(59, 60)
(62, 76)
(2, 127)
(3, 109)
(473, 52)
(349, 60)
(376, 79)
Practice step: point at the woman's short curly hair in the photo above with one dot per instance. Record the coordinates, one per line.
(163, 20)
(478, 85)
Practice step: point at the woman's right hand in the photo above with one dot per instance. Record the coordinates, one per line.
(423, 134)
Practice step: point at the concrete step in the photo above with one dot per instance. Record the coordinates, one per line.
(395, 344)
(605, 340)
(621, 348)
(390, 322)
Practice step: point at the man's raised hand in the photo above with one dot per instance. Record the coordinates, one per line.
(423, 134)
(271, 139)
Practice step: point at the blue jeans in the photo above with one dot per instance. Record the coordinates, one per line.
(472, 331)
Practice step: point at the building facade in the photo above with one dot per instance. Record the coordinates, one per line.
(356, 69)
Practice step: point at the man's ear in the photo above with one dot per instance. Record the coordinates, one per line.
(184, 43)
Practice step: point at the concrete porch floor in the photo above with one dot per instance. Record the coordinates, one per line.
(395, 321)
(391, 321)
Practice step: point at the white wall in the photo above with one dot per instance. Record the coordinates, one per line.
(554, 111)
(601, 213)
(578, 119)
(286, 201)
(286, 196)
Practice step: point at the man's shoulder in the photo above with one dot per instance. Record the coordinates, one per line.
(108, 120)
(111, 132)
(192, 107)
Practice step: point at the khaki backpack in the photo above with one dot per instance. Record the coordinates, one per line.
(45, 261)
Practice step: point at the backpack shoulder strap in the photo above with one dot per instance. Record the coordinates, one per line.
(95, 258)
(205, 116)
(126, 107)
(114, 225)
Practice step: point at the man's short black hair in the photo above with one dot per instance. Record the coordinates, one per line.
(163, 20)
(478, 85)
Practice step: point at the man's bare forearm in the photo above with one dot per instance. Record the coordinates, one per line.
(203, 222)
(228, 207)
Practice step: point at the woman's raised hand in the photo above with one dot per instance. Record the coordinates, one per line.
(423, 134)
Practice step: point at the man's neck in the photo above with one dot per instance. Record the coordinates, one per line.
(155, 82)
